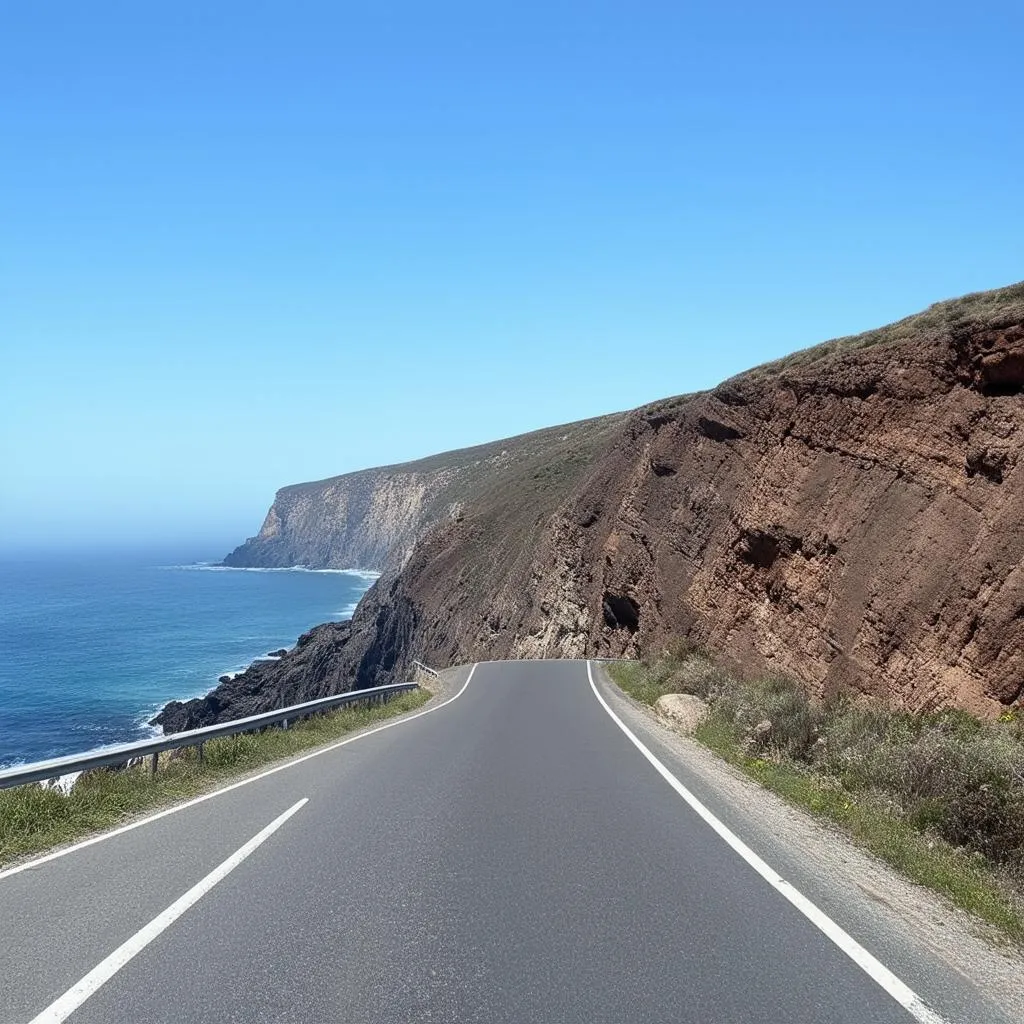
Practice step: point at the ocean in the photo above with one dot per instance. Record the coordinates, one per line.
(92, 646)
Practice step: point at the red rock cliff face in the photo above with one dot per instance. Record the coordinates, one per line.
(854, 518)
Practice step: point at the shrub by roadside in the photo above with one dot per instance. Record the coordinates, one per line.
(940, 796)
(33, 819)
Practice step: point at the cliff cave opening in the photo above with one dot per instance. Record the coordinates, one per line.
(759, 548)
(621, 611)
(989, 466)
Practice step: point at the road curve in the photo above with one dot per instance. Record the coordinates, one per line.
(511, 857)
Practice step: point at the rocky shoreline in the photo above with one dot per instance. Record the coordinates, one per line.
(328, 659)
(260, 687)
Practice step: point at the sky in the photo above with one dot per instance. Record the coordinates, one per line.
(249, 244)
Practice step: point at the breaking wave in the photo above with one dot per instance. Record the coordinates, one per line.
(363, 574)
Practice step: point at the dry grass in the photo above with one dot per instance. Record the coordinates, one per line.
(940, 796)
(995, 308)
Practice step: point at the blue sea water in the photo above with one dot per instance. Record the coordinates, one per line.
(92, 646)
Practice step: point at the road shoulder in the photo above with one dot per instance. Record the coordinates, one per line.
(945, 954)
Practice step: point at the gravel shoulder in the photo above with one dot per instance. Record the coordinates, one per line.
(959, 965)
(445, 685)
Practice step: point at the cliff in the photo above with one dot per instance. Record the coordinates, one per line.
(371, 519)
(852, 515)
(319, 525)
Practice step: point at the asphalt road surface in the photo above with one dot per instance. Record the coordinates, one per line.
(508, 857)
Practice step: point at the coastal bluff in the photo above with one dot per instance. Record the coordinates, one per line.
(372, 518)
(851, 515)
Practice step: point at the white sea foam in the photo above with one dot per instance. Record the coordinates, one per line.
(63, 783)
(370, 575)
(363, 574)
(151, 732)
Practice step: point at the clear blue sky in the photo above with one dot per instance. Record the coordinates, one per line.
(278, 241)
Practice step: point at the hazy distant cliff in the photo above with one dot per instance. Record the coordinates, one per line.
(348, 522)
(852, 515)
(371, 519)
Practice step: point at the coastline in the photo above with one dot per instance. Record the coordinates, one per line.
(366, 574)
(346, 613)
(59, 702)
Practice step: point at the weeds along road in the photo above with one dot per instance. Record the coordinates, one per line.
(511, 856)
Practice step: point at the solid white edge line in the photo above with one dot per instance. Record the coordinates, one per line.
(225, 789)
(62, 1008)
(874, 968)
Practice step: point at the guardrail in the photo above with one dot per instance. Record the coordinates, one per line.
(126, 752)
(424, 668)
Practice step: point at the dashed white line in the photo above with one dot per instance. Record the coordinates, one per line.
(62, 1008)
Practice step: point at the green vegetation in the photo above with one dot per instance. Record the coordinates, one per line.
(33, 819)
(939, 796)
(543, 461)
(998, 307)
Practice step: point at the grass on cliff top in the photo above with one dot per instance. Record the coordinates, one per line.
(472, 469)
(34, 819)
(997, 307)
(940, 796)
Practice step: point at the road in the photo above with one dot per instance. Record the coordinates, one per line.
(508, 857)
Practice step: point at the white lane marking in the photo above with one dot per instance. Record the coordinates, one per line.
(227, 789)
(62, 1008)
(874, 968)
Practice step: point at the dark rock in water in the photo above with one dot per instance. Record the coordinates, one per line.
(333, 658)
(279, 653)
(224, 679)
(175, 716)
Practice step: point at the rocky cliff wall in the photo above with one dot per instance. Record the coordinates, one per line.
(855, 520)
(852, 516)
(349, 521)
